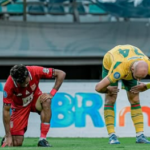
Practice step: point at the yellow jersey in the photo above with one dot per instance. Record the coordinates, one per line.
(119, 61)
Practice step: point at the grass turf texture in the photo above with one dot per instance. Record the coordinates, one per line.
(82, 144)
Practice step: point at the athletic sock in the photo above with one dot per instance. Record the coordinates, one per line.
(109, 118)
(137, 117)
(44, 130)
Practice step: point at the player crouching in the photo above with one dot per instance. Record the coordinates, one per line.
(23, 95)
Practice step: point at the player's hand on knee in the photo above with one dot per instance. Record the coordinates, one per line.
(139, 88)
(44, 97)
(112, 90)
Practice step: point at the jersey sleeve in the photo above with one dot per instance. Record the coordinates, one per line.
(42, 72)
(116, 72)
(7, 93)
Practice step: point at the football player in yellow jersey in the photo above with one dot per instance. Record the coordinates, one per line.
(129, 64)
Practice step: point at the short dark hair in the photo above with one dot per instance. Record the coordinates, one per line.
(19, 73)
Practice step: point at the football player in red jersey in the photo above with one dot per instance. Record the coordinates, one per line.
(22, 95)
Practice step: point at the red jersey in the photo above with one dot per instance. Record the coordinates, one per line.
(22, 96)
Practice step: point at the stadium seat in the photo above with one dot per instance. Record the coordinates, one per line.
(56, 9)
(80, 9)
(15, 8)
(36, 9)
(12, 9)
(94, 9)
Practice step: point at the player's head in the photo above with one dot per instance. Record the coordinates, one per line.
(139, 69)
(20, 75)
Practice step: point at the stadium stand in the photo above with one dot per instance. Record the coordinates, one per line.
(52, 7)
(118, 8)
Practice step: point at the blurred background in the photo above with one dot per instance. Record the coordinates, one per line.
(72, 35)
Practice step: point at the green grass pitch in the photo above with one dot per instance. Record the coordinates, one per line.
(82, 144)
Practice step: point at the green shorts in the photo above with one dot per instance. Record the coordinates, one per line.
(126, 84)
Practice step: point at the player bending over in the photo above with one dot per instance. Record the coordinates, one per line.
(128, 64)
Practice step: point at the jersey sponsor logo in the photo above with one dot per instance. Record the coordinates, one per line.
(46, 70)
(135, 57)
(27, 92)
(33, 87)
(5, 94)
(19, 94)
(27, 100)
(116, 75)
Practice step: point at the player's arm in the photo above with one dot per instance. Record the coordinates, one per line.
(6, 118)
(7, 100)
(141, 87)
(49, 73)
(101, 87)
(115, 73)
(59, 76)
(6, 122)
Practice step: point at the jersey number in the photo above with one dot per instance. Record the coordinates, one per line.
(125, 52)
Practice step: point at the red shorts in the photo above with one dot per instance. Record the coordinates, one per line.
(20, 116)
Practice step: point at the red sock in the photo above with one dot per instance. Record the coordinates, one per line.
(44, 129)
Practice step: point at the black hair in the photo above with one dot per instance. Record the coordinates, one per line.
(19, 73)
